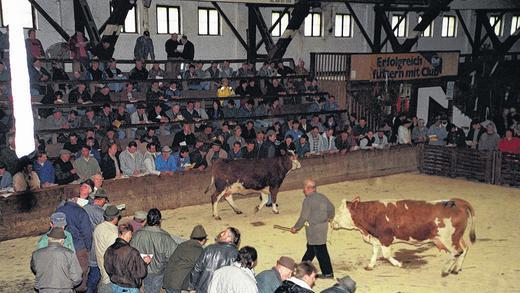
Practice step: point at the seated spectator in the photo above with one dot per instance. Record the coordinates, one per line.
(74, 144)
(344, 285)
(89, 120)
(269, 280)
(331, 104)
(287, 145)
(230, 110)
(151, 137)
(112, 72)
(154, 93)
(166, 163)
(197, 106)
(173, 92)
(420, 133)
(26, 179)
(104, 118)
(184, 137)
(329, 139)
(246, 110)
(456, 137)
(132, 161)
(109, 139)
(236, 151)
(359, 130)
(330, 122)
(381, 139)
(403, 132)
(73, 119)
(63, 168)
(200, 73)
(139, 117)
(56, 121)
(262, 110)
(191, 74)
(344, 142)
(94, 151)
(216, 152)
(8, 155)
(268, 148)
(183, 260)
(156, 72)
(316, 105)
(43, 167)
(238, 277)
(248, 132)
(149, 159)
(58, 220)
(110, 162)
(183, 159)
(79, 95)
(509, 144)
(128, 94)
(316, 122)
(265, 70)
(91, 133)
(102, 96)
(253, 90)
(245, 71)
(157, 114)
(302, 280)
(225, 90)
(302, 147)
(189, 113)
(6, 179)
(206, 135)
(368, 141)
(249, 150)
(316, 142)
(275, 88)
(38, 73)
(213, 70)
(237, 137)
(103, 51)
(139, 72)
(175, 115)
(94, 73)
(489, 140)
(241, 90)
(198, 156)
(437, 133)
(86, 166)
(226, 70)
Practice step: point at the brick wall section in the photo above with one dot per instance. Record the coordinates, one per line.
(27, 214)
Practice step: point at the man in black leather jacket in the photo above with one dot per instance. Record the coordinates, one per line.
(222, 253)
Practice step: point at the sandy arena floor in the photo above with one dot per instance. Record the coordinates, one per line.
(492, 264)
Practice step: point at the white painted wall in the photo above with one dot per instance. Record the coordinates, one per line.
(227, 46)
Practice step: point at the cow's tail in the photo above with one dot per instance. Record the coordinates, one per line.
(471, 214)
(210, 184)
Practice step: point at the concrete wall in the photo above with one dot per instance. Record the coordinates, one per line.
(227, 46)
(27, 214)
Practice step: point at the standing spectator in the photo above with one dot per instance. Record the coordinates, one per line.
(317, 210)
(344, 285)
(456, 137)
(368, 141)
(343, 142)
(238, 277)
(33, 45)
(303, 280)
(381, 139)
(80, 226)
(105, 234)
(56, 268)
(149, 160)
(184, 137)
(132, 161)
(110, 163)
(8, 155)
(58, 220)
(268, 148)
(437, 133)
(138, 221)
(269, 280)
(86, 165)
(509, 144)
(183, 260)
(302, 147)
(63, 169)
(222, 253)
(123, 263)
(79, 44)
(419, 133)
(475, 133)
(359, 130)
(286, 146)
(403, 132)
(43, 167)
(144, 47)
(159, 245)
(315, 141)
(172, 53)
(489, 140)
(188, 50)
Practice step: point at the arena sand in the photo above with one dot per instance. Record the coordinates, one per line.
(492, 263)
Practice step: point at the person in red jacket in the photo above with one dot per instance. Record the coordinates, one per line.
(509, 144)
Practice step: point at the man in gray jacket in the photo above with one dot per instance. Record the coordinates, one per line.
(56, 268)
(317, 211)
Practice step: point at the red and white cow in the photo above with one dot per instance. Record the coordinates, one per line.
(383, 223)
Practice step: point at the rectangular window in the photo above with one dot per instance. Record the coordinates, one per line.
(343, 26)
(209, 22)
(313, 25)
(28, 15)
(168, 21)
(281, 26)
(401, 22)
(428, 32)
(515, 24)
(131, 22)
(449, 26)
(496, 21)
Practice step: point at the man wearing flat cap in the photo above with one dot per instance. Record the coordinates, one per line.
(56, 268)
(105, 234)
(269, 280)
(216, 152)
(63, 169)
(344, 285)
(183, 260)
(166, 163)
(58, 220)
(138, 221)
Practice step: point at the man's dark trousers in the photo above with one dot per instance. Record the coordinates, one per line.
(320, 252)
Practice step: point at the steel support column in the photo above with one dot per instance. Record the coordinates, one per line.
(50, 20)
(251, 34)
(230, 25)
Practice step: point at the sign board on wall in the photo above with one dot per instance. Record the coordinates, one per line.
(403, 66)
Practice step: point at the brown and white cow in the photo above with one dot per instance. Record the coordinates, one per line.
(383, 223)
(246, 176)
